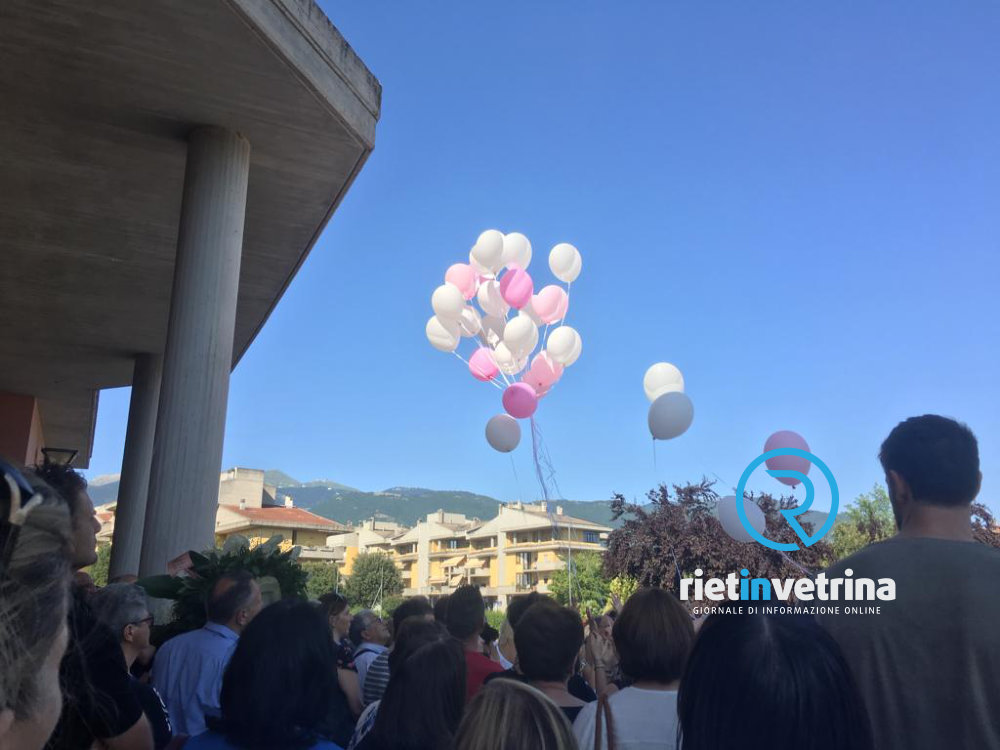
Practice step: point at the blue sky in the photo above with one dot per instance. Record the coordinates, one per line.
(795, 204)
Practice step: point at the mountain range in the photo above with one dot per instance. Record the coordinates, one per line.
(405, 505)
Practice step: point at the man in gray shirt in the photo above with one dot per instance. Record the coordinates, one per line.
(928, 666)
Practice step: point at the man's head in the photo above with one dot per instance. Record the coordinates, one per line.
(367, 627)
(548, 639)
(520, 604)
(466, 613)
(123, 607)
(441, 609)
(930, 460)
(72, 487)
(417, 606)
(234, 600)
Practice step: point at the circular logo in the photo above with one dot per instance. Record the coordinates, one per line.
(791, 513)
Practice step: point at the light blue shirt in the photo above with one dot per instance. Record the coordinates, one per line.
(364, 655)
(187, 673)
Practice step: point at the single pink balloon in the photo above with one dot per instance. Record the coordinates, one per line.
(464, 277)
(787, 439)
(543, 373)
(482, 365)
(520, 400)
(551, 303)
(516, 286)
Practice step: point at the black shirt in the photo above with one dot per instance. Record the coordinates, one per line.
(99, 701)
(156, 712)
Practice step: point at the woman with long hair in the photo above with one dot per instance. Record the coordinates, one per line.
(34, 597)
(509, 714)
(338, 614)
(774, 682)
(423, 702)
(279, 684)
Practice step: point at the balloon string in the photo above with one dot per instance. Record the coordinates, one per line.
(517, 479)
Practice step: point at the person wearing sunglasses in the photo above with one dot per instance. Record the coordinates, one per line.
(123, 607)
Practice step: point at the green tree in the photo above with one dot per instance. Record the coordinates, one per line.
(323, 577)
(623, 587)
(867, 520)
(99, 570)
(590, 588)
(373, 579)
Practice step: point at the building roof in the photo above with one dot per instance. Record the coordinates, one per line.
(100, 96)
(296, 518)
(513, 518)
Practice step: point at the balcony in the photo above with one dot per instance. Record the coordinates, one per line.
(546, 566)
(408, 557)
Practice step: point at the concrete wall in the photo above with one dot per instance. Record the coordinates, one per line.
(21, 437)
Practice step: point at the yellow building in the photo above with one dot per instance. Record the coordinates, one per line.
(515, 552)
(371, 536)
(250, 507)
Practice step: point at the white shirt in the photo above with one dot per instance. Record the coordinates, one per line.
(643, 719)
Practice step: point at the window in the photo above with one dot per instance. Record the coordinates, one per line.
(591, 537)
(452, 544)
(525, 559)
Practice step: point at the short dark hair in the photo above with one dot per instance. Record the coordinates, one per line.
(414, 633)
(281, 679)
(757, 666)
(548, 639)
(466, 612)
(441, 609)
(938, 457)
(520, 604)
(65, 480)
(653, 636)
(417, 606)
(222, 606)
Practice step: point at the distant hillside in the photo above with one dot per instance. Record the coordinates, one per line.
(407, 505)
(279, 479)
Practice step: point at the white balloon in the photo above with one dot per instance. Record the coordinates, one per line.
(491, 300)
(488, 250)
(520, 335)
(529, 310)
(443, 334)
(448, 302)
(516, 249)
(503, 433)
(469, 322)
(564, 345)
(507, 361)
(565, 262)
(662, 378)
(493, 328)
(730, 519)
(670, 415)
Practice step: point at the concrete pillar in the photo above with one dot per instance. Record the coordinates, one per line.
(134, 486)
(187, 456)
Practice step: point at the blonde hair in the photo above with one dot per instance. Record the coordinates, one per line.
(34, 588)
(509, 715)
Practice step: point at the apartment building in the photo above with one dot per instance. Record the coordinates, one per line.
(515, 552)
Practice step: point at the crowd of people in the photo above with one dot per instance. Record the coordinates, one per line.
(77, 668)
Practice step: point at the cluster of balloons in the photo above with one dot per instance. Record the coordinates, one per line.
(671, 411)
(492, 300)
(727, 511)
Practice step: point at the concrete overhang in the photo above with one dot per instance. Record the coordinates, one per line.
(97, 102)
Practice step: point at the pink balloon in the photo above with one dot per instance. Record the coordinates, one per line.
(520, 400)
(542, 374)
(787, 439)
(516, 286)
(464, 277)
(551, 303)
(482, 365)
